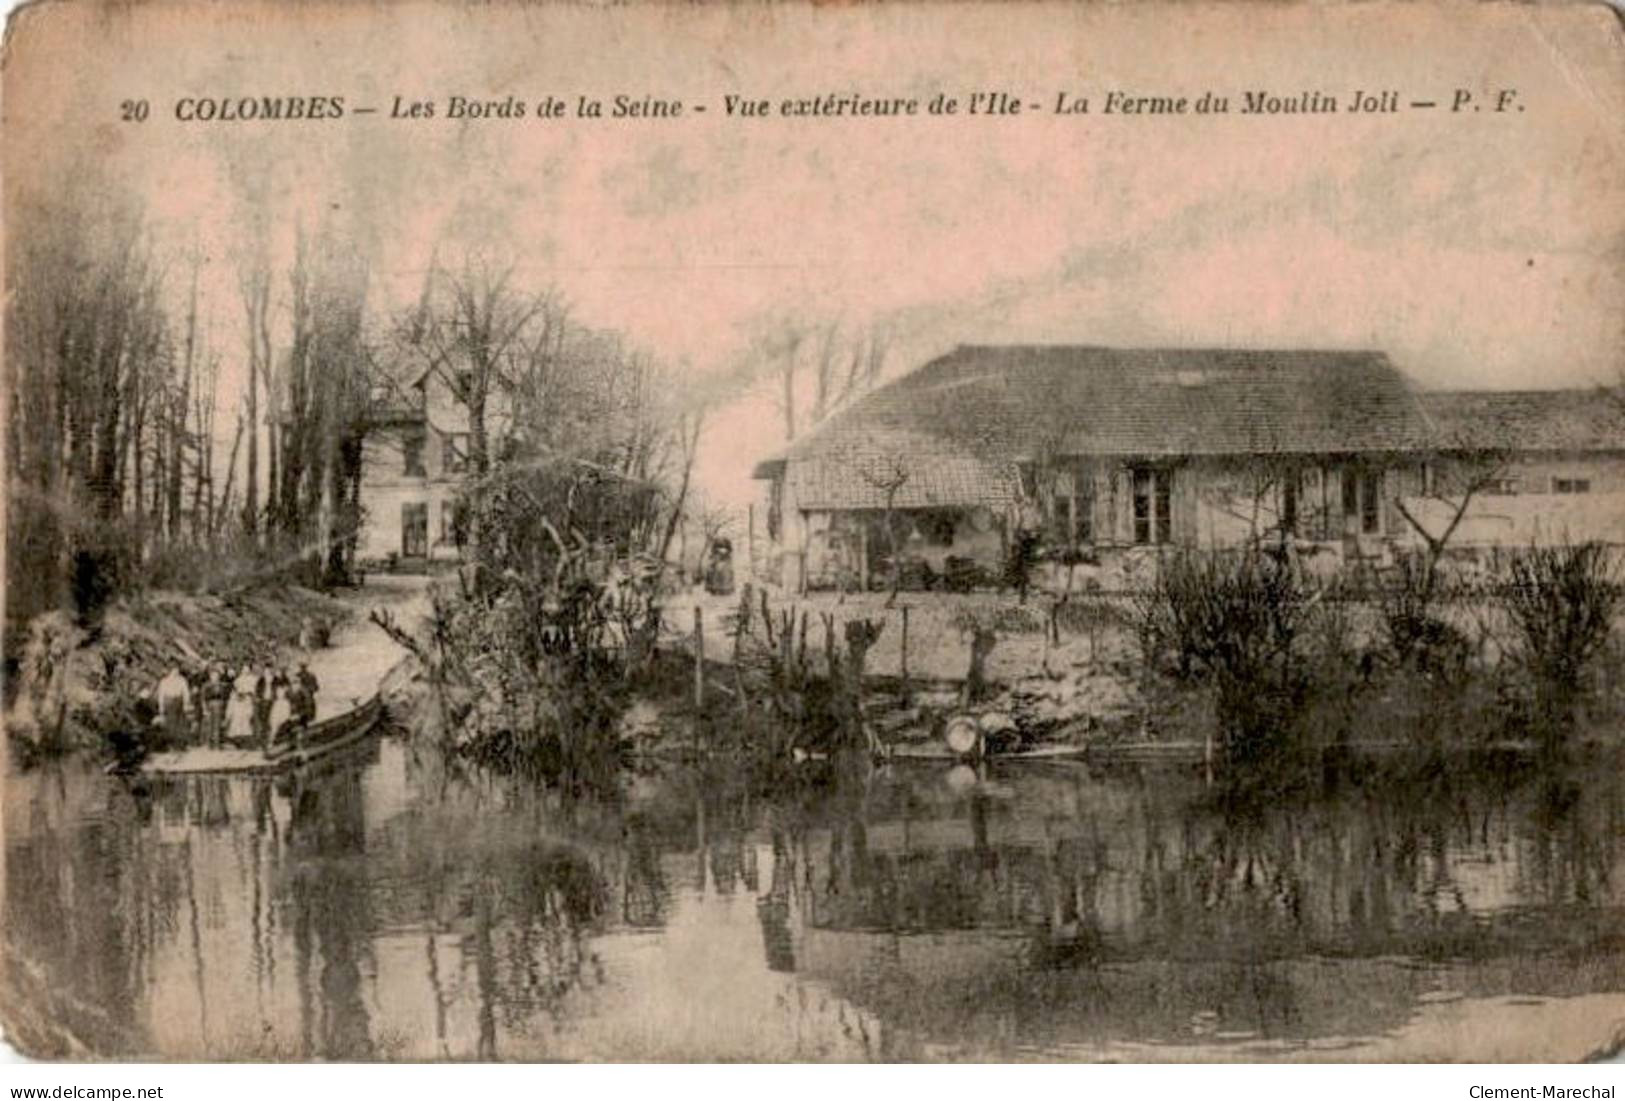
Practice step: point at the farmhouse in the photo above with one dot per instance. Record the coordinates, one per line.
(1096, 450)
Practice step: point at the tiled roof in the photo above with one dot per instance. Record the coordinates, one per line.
(919, 470)
(962, 422)
(1529, 420)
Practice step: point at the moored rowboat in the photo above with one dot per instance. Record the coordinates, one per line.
(322, 738)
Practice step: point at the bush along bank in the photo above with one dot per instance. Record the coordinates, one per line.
(1529, 659)
(1243, 653)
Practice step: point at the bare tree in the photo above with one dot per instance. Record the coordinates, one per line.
(476, 325)
(688, 434)
(181, 402)
(889, 473)
(785, 351)
(85, 354)
(323, 406)
(255, 287)
(842, 365)
(1457, 475)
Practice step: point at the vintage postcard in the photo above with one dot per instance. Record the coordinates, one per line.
(787, 532)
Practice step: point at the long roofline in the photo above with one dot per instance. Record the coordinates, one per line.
(765, 468)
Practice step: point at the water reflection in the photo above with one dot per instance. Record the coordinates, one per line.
(386, 907)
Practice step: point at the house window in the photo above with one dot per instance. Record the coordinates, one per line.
(1502, 487)
(1071, 519)
(412, 446)
(415, 530)
(1362, 500)
(1153, 504)
(1370, 495)
(1309, 491)
(1571, 485)
(456, 452)
(1289, 504)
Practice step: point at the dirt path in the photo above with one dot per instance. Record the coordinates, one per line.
(358, 656)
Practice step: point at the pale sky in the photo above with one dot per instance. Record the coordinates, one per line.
(1477, 248)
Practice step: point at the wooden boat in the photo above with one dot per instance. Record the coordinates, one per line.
(322, 738)
(938, 752)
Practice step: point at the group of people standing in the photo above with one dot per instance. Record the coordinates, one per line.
(214, 704)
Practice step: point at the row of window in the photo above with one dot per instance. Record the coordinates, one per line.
(1511, 487)
(1308, 506)
(1358, 499)
(453, 451)
(1152, 495)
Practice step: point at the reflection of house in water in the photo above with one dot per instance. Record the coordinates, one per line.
(1127, 906)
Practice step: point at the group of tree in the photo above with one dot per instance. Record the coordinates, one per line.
(119, 476)
(819, 366)
(109, 405)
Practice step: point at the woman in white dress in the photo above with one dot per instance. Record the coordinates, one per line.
(240, 708)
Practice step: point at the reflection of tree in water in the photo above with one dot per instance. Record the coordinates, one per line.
(328, 894)
(1575, 831)
(87, 901)
(773, 908)
(1059, 905)
(923, 885)
(532, 911)
(481, 864)
(646, 896)
(1388, 863)
(507, 907)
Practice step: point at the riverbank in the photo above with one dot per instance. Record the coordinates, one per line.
(1073, 675)
(68, 686)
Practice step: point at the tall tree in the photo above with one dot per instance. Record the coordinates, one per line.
(255, 287)
(84, 340)
(321, 406)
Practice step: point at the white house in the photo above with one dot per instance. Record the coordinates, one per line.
(414, 463)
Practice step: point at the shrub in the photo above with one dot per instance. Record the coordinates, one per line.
(1416, 637)
(534, 653)
(1213, 613)
(1560, 603)
(1234, 622)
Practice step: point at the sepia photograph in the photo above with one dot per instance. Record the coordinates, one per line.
(910, 532)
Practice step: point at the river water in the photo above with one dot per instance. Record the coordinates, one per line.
(390, 907)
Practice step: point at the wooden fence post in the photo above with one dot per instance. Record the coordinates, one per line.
(907, 692)
(699, 659)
